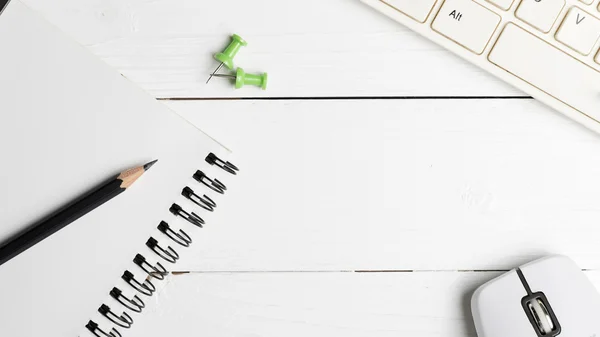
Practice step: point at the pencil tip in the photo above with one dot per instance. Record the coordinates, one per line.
(149, 165)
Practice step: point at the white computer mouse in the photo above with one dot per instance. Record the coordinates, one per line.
(545, 298)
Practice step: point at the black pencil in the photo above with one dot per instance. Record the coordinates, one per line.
(71, 212)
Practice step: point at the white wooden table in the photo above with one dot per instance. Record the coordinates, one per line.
(383, 178)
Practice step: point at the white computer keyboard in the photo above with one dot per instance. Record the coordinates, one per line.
(547, 48)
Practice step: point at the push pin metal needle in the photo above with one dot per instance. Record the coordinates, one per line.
(226, 56)
(242, 79)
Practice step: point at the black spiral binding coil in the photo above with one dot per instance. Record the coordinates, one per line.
(213, 184)
(146, 287)
(134, 304)
(93, 328)
(225, 165)
(203, 201)
(124, 320)
(158, 271)
(168, 254)
(181, 238)
(192, 218)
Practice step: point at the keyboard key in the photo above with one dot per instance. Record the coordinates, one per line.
(548, 68)
(540, 14)
(467, 23)
(502, 4)
(579, 31)
(587, 2)
(416, 9)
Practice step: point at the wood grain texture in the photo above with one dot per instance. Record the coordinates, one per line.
(316, 304)
(310, 48)
(410, 184)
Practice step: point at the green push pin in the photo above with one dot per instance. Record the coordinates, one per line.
(227, 55)
(242, 79)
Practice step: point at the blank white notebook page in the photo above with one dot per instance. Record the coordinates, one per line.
(68, 123)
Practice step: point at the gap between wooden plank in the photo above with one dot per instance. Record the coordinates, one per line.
(331, 271)
(348, 271)
(343, 98)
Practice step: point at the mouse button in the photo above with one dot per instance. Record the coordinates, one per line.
(559, 278)
(573, 298)
(497, 309)
(551, 265)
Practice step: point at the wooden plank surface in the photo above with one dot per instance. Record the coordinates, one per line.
(316, 304)
(399, 184)
(310, 48)
(329, 187)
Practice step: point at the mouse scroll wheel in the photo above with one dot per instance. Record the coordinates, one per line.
(541, 316)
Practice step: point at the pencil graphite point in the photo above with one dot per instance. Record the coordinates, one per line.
(149, 165)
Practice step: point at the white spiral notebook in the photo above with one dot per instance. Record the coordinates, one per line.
(68, 122)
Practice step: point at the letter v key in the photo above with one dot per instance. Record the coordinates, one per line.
(579, 31)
